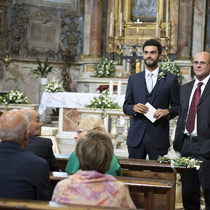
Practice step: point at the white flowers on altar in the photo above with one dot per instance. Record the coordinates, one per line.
(54, 86)
(104, 101)
(14, 97)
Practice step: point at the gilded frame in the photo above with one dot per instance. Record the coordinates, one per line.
(138, 33)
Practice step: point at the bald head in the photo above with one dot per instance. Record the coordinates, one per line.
(205, 54)
(14, 127)
(34, 121)
(201, 65)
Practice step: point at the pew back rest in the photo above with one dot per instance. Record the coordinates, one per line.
(14, 204)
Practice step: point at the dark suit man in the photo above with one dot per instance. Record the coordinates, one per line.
(38, 145)
(192, 136)
(145, 137)
(23, 175)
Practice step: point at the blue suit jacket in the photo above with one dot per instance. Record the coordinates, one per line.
(43, 148)
(23, 175)
(165, 96)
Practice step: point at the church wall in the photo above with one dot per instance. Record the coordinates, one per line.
(25, 32)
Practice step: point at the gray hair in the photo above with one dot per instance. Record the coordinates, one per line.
(17, 134)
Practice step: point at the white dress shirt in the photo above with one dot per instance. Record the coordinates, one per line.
(154, 75)
(194, 133)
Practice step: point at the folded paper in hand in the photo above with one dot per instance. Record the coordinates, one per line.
(150, 113)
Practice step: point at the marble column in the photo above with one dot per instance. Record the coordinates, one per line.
(96, 29)
(198, 26)
(174, 14)
(87, 21)
(185, 29)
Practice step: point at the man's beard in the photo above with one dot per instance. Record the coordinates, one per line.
(152, 64)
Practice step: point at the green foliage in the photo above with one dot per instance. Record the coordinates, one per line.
(105, 68)
(171, 67)
(104, 101)
(54, 86)
(14, 97)
(187, 162)
(42, 71)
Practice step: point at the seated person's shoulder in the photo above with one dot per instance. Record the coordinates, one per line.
(31, 158)
(42, 140)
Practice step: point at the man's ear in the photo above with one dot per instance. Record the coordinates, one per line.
(26, 138)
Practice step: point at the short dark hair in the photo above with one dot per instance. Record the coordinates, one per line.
(95, 152)
(153, 42)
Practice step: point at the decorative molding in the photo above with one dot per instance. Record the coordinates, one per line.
(3, 29)
(43, 32)
(70, 5)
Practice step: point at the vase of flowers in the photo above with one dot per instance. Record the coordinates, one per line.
(42, 71)
(54, 86)
(105, 68)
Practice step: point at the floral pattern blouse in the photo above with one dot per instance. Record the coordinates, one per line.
(93, 188)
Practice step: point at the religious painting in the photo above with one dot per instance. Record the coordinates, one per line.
(144, 10)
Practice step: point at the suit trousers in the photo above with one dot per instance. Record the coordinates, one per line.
(191, 182)
(146, 148)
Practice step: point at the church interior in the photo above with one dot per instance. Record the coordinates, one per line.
(73, 36)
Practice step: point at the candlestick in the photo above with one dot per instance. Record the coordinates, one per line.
(157, 24)
(119, 88)
(111, 87)
(121, 24)
(167, 24)
(111, 20)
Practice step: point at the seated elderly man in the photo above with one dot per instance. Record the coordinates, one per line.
(38, 145)
(23, 175)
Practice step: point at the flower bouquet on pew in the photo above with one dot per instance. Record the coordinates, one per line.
(178, 161)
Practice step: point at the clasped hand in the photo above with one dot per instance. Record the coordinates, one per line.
(142, 109)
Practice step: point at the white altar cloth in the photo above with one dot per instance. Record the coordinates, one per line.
(71, 100)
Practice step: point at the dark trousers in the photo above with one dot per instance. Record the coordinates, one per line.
(146, 148)
(192, 180)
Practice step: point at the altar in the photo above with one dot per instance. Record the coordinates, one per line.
(72, 107)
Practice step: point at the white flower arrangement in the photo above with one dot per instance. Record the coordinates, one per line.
(170, 66)
(104, 101)
(54, 86)
(105, 68)
(14, 97)
(187, 162)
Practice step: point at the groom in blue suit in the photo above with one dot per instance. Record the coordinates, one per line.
(161, 90)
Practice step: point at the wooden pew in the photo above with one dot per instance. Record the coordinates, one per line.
(143, 169)
(14, 204)
(131, 164)
(140, 188)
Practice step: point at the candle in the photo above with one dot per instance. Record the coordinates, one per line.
(157, 24)
(111, 20)
(167, 25)
(119, 88)
(111, 87)
(121, 24)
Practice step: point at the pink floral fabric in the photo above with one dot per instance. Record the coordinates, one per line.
(93, 188)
